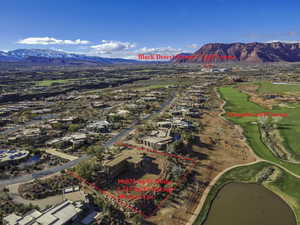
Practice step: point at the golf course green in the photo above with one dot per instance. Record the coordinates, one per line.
(289, 126)
(286, 181)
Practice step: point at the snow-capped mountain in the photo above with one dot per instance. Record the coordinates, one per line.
(38, 55)
(23, 53)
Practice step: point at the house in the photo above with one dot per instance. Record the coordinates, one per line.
(100, 126)
(193, 114)
(158, 139)
(67, 121)
(32, 132)
(179, 112)
(149, 99)
(100, 105)
(176, 113)
(116, 166)
(122, 162)
(12, 156)
(41, 111)
(122, 112)
(71, 189)
(157, 142)
(93, 96)
(164, 124)
(135, 106)
(61, 214)
(180, 123)
(75, 140)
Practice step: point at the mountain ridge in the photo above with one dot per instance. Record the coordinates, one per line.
(256, 52)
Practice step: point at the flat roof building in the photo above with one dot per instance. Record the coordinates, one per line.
(122, 162)
(10, 156)
(57, 215)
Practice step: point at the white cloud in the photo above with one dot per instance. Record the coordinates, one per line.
(289, 42)
(128, 50)
(108, 47)
(51, 41)
(162, 50)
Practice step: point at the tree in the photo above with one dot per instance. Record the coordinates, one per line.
(58, 126)
(74, 127)
(97, 151)
(138, 219)
(99, 202)
(179, 146)
(268, 123)
(85, 169)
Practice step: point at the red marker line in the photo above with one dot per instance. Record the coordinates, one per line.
(125, 204)
(155, 151)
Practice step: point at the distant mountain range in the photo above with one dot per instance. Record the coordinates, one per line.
(250, 52)
(47, 56)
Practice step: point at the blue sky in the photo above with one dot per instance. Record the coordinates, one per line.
(124, 28)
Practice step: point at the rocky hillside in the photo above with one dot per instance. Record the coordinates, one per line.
(250, 52)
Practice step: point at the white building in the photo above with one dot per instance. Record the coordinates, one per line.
(9, 156)
(57, 215)
(99, 126)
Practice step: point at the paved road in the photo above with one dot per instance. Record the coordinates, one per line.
(126, 131)
(123, 133)
(21, 179)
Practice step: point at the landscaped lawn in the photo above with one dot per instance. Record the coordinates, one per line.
(50, 82)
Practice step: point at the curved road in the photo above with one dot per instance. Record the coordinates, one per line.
(123, 133)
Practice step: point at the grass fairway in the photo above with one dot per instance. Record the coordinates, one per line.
(46, 83)
(268, 87)
(285, 185)
(237, 102)
(148, 85)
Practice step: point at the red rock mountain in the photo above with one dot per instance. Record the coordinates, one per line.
(250, 52)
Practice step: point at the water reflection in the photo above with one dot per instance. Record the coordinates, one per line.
(249, 204)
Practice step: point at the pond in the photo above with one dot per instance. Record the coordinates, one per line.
(249, 204)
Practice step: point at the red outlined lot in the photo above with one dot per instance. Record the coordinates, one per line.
(126, 204)
(108, 194)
